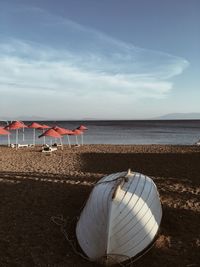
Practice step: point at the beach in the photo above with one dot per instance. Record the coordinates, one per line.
(36, 189)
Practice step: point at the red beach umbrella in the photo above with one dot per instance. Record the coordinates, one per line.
(82, 128)
(34, 125)
(16, 125)
(52, 133)
(5, 132)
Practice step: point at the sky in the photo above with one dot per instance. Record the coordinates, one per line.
(91, 59)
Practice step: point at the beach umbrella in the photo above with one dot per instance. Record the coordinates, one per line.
(63, 131)
(34, 125)
(16, 125)
(83, 129)
(43, 127)
(51, 133)
(5, 132)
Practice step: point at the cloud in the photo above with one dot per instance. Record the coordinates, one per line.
(67, 59)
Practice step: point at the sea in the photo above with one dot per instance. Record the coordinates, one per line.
(125, 132)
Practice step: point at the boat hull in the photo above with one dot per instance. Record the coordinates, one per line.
(120, 219)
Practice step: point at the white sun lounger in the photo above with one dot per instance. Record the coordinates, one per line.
(49, 149)
(22, 145)
(19, 145)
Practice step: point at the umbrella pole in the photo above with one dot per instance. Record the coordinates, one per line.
(68, 140)
(34, 136)
(61, 143)
(8, 140)
(82, 138)
(76, 139)
(16, 138)
(44, 136)
(23, 134)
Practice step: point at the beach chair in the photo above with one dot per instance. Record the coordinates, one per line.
(18, 145)
(49, 149)
(22, 145)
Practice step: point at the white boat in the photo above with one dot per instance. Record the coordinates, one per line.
(120, 219)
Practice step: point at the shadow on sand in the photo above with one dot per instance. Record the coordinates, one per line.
(181, 166)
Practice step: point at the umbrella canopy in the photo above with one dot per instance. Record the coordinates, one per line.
(3, 131)
(82, 128)
(35, 125)
(52, 133)
(15, 125)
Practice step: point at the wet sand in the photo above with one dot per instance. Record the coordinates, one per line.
(36, 187)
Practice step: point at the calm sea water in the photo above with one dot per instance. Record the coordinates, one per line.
(184, 132)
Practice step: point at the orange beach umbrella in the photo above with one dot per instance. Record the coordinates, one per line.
(4, 131)
(82, 128)
(51, 133)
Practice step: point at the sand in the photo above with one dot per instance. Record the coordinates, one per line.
(36, 187)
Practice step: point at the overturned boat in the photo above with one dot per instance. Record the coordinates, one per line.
(120, 219)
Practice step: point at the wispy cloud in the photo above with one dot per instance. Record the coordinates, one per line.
(76, 61)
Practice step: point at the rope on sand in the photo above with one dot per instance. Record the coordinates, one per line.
(60, 221)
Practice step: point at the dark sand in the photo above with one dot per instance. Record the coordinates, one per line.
(34, 187)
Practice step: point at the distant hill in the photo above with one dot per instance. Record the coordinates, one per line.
(179, 116)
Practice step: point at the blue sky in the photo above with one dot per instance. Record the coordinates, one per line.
(108, 59)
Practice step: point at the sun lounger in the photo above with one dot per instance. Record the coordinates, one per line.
(22, 145)
(49, 149)
(19, 145)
